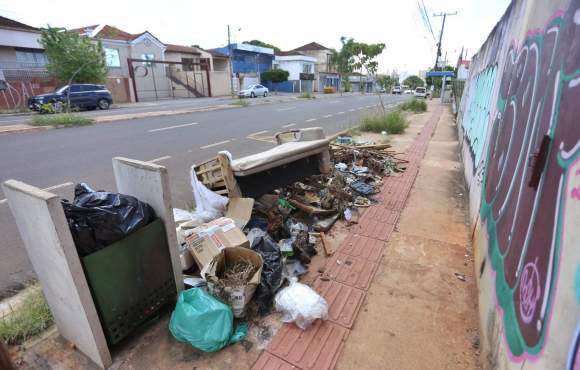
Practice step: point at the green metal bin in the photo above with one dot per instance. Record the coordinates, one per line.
(130, 280)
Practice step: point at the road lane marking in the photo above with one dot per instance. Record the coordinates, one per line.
(283, 109)
(328, 116)
(2, 201)
(310, 120)
(340, 113)
(214, 144)
(351, 110)
(172, 127)
(333, 102)
(369, 106)
(289, 125)
(258, 133)
(360, 108)
(159, 159)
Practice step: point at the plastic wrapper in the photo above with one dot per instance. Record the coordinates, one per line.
(272, 268)
(300, 304)
(98, 218)
(204, 322)
(208, 205)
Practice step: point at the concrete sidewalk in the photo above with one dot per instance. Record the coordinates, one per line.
(400, 297)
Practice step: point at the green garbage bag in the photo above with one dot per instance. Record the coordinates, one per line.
(204, 322)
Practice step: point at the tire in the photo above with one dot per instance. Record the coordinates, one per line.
(103, 104)
(252, 95)
(265, 94)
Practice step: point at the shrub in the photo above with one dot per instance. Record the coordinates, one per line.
(392, 123)
(240, 102)
(30, 319)
(61, 120)
(306, 95)
(415, 105)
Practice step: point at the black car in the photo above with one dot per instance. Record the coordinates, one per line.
(88, 96)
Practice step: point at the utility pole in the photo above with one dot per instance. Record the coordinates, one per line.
(444, 15)
(231, 67)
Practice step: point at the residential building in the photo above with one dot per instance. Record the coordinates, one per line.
(300, 72)
(248, 62)
(463, 69)
(22, 64)
(360, 82)
(325, 75)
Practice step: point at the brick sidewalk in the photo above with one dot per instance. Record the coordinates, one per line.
(348, 274)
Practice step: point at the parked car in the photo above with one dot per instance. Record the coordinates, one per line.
(420, 92)
(381, 90)
(88, 96)
(396, 90)
(253, 91)
(409, 91)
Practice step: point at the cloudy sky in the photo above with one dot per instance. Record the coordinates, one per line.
(410, 46)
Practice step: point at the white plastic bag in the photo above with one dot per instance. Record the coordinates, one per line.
(208, 205)
(300, 304)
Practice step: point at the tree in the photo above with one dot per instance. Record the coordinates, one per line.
(356, 56)
(413, 82)
(386, 82)
(275, 76)
(436, 81)
(262, 44)
(72, 57)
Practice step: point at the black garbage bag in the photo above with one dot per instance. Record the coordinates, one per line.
(99, 218)
(271, 272)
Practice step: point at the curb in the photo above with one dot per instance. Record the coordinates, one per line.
(15, 129)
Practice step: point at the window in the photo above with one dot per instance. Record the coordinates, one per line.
(75, 88)
(31, 56)
(306, 68)
(148, 56)
(112, 58)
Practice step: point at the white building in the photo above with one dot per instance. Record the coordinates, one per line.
(301, 71)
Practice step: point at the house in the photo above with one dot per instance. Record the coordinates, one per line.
(463, 69)
(325, 74)
(367, 82)
(22, 64)
(248, 62)
(300, 72)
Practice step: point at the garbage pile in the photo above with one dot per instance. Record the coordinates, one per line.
(263, 243)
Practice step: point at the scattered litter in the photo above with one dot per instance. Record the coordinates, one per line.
(272, 271)
(208, 205)
(293, 268)
(341, 166)
(203, 321)
(326, 223)
(300, 304)
(344, 140)
(362, 187)
(460, 276)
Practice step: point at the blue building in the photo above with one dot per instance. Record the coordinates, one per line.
(248, 61)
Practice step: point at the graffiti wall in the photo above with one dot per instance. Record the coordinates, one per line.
(519, 123)
(17, 92)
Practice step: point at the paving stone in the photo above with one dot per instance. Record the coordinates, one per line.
(361, 246)
(316, 348)
(267, 361)
(374, 229)
(344, 301)
(353, 271)
(380, 214)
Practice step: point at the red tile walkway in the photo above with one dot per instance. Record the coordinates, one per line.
(348, 274)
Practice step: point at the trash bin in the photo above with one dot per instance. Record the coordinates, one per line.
(131, 280)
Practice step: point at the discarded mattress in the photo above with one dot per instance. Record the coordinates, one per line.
(278, 156)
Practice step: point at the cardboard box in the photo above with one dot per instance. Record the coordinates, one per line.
(240, 210)
(237, 297)
(208, 240)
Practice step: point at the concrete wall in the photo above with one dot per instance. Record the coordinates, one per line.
(519, 124)
(220, 83)
(21, 39)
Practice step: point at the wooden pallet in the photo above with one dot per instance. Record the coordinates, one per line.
(216, 174)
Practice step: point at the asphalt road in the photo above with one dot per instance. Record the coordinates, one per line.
(57, 159)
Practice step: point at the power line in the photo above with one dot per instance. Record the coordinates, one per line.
(423, 10)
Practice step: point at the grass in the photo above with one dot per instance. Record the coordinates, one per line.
(32, 318)
(392, 123)
(240, 102)
(415, 105)
(306, 95)
(61, 120)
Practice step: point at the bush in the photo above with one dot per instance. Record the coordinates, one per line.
(241, 103)
(306, 95)
(61, 120)
(392, 123)
(31, 318)
(415, 105)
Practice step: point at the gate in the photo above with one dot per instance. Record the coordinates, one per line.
(156, 79)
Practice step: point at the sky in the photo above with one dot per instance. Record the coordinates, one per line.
(410, 45)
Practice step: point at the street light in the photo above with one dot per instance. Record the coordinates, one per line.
(231, 62)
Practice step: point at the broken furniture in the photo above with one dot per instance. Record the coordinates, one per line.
(298, 154)
(76, 293)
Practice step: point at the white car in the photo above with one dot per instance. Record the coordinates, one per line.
(409, 91)
(420, 92)
(253, 91)
(396, 90)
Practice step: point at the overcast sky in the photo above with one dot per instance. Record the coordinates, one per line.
(410, 46)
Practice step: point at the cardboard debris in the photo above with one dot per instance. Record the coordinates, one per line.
(208, 240)
(240, 210)
(237, 296)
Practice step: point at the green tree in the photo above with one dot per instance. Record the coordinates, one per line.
(356, 56)
(275, 76)
(72, 57)
(436, 81)
(386, 82)
(262, 44)
(413, 82)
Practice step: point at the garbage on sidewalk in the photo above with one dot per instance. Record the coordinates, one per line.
(99, 218)
(233, 276)
(203, 321)
(300, 304)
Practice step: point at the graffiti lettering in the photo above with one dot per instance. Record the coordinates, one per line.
(529, 292)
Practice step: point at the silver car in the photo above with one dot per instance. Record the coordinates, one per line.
(254, 90)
